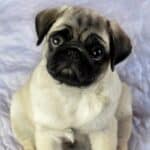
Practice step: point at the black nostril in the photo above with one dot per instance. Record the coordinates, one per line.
(70, 53)
(73, 54)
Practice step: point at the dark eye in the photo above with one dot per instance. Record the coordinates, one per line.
(57, 40)
(97, 53)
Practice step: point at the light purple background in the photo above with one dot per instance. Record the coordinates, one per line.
(19, 55)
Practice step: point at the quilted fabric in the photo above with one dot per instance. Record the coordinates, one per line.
(19, 55)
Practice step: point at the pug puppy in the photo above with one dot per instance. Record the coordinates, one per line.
(74, 98)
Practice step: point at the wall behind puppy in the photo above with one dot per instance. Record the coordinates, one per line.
(19, 55)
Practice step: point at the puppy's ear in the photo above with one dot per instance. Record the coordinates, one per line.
(44, 20)
(120, 44)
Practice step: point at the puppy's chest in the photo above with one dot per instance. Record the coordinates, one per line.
(62, 109)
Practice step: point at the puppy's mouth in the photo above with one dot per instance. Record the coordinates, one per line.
(67, 71)
(69, 75)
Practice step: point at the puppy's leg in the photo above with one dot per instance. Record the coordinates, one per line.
(23, 134)
(106, 139)
(45, 142)
(124, 131)
(22, 127)
(124, 117)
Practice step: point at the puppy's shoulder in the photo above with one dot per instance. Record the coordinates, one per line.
(125, 102)
(112, 84)
(20, 99)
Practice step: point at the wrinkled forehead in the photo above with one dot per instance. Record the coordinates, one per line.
(82, 21)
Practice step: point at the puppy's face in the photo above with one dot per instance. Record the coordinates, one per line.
(80, 44)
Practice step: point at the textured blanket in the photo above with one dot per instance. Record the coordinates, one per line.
(19, 55)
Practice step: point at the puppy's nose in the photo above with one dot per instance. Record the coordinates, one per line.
(73, 54)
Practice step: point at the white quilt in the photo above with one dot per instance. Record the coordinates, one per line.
(19, 55)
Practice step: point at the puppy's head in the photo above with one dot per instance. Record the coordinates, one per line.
(80, 44)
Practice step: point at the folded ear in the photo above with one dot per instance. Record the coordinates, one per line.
(120, 44)
(44, 20)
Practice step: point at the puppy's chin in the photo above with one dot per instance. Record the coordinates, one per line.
(69, 77)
